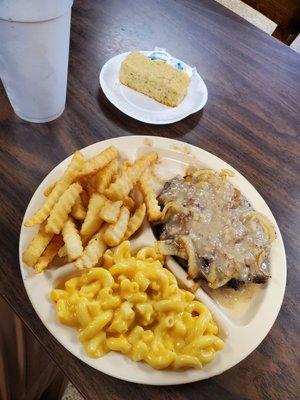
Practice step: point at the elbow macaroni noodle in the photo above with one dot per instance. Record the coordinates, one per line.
(132, 304)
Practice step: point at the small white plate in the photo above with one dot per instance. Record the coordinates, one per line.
(143, 108)
(242, 331)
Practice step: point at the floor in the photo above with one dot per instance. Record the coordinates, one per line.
(71, 393)
(257, 19)
(261, 22)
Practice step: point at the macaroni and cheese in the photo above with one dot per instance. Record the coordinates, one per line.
(132, 304)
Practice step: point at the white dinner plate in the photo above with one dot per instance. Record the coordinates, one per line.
(242, 331)
(143, 108)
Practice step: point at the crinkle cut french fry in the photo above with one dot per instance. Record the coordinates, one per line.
(49, 189)
(104, 177)
(62, 208)
(153, 209)
(120, 188)
(87, 183)
(61, 186)
(126, 164)
(62, 252)
(114, 233)
(92, 252)
(99, 161)
(141, 164)
(135, 221)
(129, 203)
(36, 247)
(93, 221)
(78, 211)
(129, 176)
(72, 240)
(111, 211)
(49, 253)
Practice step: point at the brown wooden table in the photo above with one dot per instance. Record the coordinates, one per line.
(251, 120)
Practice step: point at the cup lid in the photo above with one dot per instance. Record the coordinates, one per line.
(33, 10)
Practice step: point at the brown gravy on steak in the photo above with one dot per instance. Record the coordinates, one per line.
(230, 244)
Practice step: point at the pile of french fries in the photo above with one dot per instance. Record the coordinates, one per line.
(92, 208)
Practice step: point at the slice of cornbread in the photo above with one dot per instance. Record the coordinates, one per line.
(154, 78)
